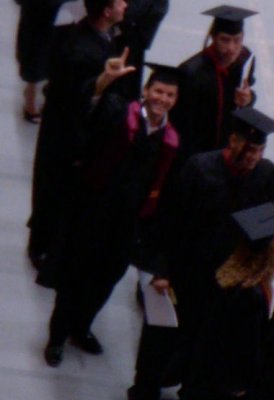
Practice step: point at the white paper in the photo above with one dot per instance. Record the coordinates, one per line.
(145, 279)
(70, 12)
(159, 308)
(246, 69)
(271, 310)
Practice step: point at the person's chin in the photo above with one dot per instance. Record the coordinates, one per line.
(229, 60)
(159, 111)
(250, 167)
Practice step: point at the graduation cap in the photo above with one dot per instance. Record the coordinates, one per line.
(252, 124)
(163, 73)
(228, 19)
(257, 223)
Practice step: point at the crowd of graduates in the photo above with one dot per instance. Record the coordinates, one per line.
(169, 177)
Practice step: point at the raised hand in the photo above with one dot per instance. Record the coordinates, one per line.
(114, 68)
(243, 95)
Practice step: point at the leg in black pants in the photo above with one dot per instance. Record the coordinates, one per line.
(60, 327)
(69, 320)
(64, 312)
(96, 293)
(76, 307)
(157, 347)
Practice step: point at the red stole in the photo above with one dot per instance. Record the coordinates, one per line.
(221, 74)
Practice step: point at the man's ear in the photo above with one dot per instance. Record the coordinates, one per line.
(107, 12)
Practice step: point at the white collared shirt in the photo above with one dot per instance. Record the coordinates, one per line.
(152, 129)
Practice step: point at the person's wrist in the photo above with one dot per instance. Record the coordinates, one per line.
(103, 81)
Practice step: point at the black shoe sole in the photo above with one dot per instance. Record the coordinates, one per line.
(53, 357)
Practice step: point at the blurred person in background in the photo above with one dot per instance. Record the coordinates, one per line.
(34, 40)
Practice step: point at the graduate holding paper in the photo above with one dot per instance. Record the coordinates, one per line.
(222, 327)
(213, 83)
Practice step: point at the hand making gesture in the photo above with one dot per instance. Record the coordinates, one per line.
(114, 68)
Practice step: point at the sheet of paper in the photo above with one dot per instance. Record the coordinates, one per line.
(70, 12)
(145, 279)
(159, 308)
(271, 310)
(246, 69)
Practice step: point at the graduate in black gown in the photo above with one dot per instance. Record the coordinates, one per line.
(213, 83)
(135, 148)
(200, 237)
(61, 140)
(242, 311)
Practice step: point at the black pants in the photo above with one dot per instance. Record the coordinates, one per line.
(158, 361)
(77, 305)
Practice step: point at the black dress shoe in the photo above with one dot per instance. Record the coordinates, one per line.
(37, 258)
(32, 118)
(54, 355)
(88, 343)
(134, 393)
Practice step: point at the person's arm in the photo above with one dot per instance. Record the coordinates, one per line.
(88, 73)
(103, 123)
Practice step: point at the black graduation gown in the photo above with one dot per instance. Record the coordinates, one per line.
(229, 352)
(106, 215)
(204, 197)
(138, 30)
(269, 362)
(146, 15)
(200, 236)
(34, 38)
(196, 114)
(98, 245)
(63, 132)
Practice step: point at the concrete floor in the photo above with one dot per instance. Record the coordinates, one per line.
(25, 307)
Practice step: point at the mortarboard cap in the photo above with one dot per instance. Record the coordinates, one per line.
(257, 223)
(228, 19)
(163, 73)
(252, 124)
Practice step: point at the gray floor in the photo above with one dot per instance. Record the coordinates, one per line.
(24, 307)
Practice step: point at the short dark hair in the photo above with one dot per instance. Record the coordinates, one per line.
(168, 79)
(226, 26)
(95, 8)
